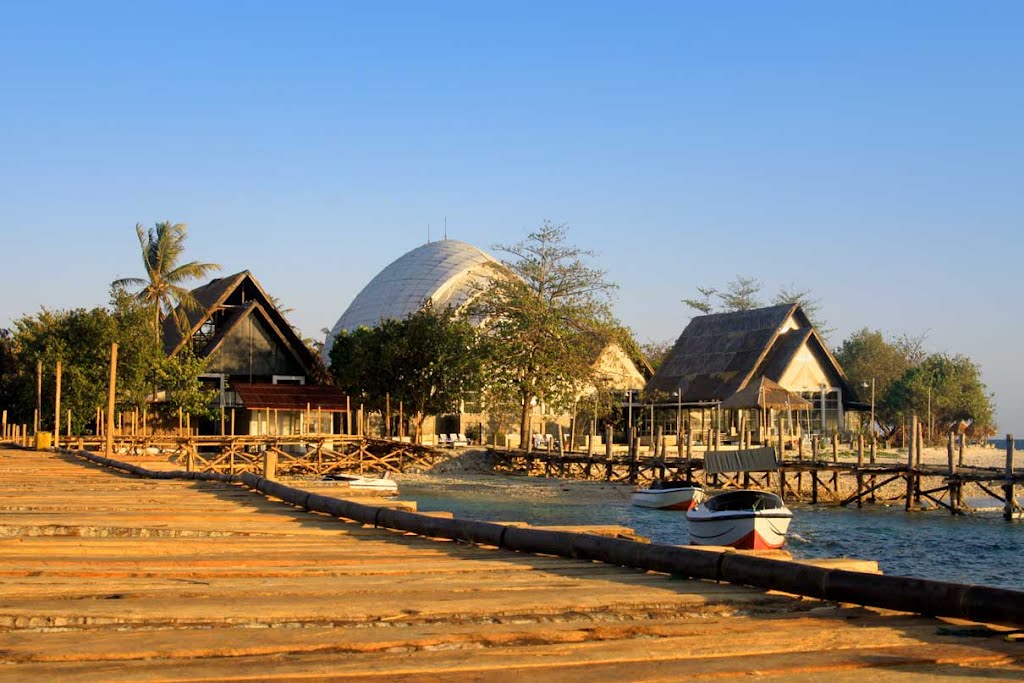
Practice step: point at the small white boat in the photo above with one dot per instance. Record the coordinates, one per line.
(740, 519)
(354, 481)
(669, 495)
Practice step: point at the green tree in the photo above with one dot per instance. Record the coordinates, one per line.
(543, 308)
(657, 351)
(178, 377)
(163, 287)
(429, 361)
(811, 307)
(866, 356)
(946, 389)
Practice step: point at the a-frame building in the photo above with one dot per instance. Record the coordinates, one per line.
(258, 363)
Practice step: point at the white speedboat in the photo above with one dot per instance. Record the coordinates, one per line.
(669, 495)
(354, 481)
(741, 519)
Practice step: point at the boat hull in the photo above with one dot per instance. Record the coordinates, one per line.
(685, 498)
(760, 530)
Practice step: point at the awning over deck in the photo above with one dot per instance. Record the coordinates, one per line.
(290, 397)
(764, 393)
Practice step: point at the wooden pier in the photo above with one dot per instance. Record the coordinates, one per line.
(107, 576)
(845, 479)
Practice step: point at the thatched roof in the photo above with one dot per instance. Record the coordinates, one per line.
(718, 355)
(237, 296)
(764, 393)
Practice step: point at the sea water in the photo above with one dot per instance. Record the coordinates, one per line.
(979, 548)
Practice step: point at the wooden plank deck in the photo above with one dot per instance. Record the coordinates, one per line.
(107, 577)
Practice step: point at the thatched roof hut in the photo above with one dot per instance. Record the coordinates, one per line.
(721, 354)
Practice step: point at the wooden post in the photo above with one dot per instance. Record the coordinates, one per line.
(401, 422)
(633, 451)
(782, 472)
(960, 456)
(348, 416)
(319, 420)
(188, 423)
(39, 396)
(658, 447)
(145, 421)
(689, 445)
(593, 435)
(860, 464)
(387, 415)
(359, 421)
(835, 446)
(68, 423)
(109, 450)
(56, 410)
(608, 468)
(919, 439)
(953, 486)
(223, 419)
(1008, 486)
(232, 422)
(561, 444)
(181, 422)
(269, 464)
(910, 462)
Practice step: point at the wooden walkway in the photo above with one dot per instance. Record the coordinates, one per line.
(108, 577)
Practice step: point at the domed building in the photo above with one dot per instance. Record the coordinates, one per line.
(445, 272)
(450, 273)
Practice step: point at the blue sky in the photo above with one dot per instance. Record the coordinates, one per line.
(869, 151)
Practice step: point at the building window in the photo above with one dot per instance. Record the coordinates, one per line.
(289, 379)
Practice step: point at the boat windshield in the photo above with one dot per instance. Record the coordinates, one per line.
(744, 500)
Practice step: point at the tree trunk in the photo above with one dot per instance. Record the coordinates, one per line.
(524, 421)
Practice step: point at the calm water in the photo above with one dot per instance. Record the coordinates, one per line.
(1018, 444)
(980, 548)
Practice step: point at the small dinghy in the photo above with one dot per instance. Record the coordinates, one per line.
(741, 519)
(669, 495)
(354, 481)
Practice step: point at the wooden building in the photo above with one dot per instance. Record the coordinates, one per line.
(721, 354)
(255, 360)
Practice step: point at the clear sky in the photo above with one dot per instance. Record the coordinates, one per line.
(869, 151)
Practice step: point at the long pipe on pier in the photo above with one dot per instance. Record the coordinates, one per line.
(905, 594)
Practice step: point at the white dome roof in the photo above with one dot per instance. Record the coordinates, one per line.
(443, 272)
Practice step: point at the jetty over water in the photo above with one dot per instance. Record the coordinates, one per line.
(109, 576)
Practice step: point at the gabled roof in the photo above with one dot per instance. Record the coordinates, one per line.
(211, 298)
(208, 296)
(715, 355)
(718, 355)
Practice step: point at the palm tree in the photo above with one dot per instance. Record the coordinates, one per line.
(162, 248)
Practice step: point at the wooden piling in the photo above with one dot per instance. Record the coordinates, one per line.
(39, 397)
(608, 467)
(952, 485)
(910, 462)
(56, 408)
(860, 465)
(1008, 501)
(109, 448)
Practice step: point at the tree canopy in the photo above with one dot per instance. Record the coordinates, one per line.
(743, 294)
(80, 339)
(545, 312)
(904, 376)
(429, 361)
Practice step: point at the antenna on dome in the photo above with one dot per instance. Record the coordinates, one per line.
(446, 227)
(428, 233)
